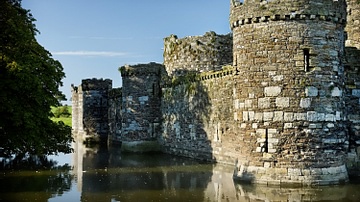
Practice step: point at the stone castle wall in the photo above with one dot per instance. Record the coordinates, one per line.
(140, 104)
(285, 111)
(90, 113)
(115, 114)
(197, 117)
(197, 53)
(353, 24)
(352, 87)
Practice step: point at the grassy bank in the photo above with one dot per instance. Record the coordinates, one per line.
(66, 118)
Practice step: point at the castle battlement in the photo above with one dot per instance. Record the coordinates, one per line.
(252, 11)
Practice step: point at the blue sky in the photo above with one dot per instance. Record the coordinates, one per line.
(93, 38)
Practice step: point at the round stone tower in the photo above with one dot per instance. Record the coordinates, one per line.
(289, 90)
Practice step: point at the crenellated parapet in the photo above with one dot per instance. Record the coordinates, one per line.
(257, 11)
(197, 53)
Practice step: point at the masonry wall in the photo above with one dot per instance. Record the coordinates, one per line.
(352, 70)
(90, 113)
(197, 53)
(140, 102)
(285, 111)
(114, 114)
(198, 117)
(353, 24)
(290, 104)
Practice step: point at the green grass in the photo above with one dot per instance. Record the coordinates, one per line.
(66, 120)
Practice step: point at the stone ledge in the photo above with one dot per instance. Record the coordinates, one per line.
(304, 177)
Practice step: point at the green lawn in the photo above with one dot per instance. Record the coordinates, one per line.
(66, 120)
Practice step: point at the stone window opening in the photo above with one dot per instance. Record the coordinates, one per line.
(218, 133)
(306, 60)
(265, 147)
(155, 89)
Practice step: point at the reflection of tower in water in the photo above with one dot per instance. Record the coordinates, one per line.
(77, 162)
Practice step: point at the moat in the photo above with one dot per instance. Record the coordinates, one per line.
(106, 174)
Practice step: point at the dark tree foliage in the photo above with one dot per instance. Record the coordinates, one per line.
(29, 86)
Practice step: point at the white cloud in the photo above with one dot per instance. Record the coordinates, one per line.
(91, 53)
(101, 38)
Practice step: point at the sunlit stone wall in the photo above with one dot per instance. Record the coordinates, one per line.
(197, 53)
(285, 111)
(289, 91)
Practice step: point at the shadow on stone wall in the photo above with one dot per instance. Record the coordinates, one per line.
(186, 110)
(352, 72)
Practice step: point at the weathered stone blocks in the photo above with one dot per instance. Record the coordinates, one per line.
(282, 102)
(311, 91)
(272, 91)
(264, 102)
(305, 102)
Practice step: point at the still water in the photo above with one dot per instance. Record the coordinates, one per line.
(105, 174)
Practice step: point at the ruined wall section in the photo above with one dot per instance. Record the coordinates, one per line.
(352, 71)
(289, 90)
(90, 109)
(140, 102)
(197, 53)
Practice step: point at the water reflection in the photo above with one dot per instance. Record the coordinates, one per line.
(104, 174)
(33, 178)
(108, 176)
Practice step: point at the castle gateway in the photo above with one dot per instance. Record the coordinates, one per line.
(279, 97)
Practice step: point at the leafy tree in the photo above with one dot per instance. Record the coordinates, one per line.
(29, 86)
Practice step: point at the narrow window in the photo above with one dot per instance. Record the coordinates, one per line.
(266, 144)
(153, 89)
(306, 60)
